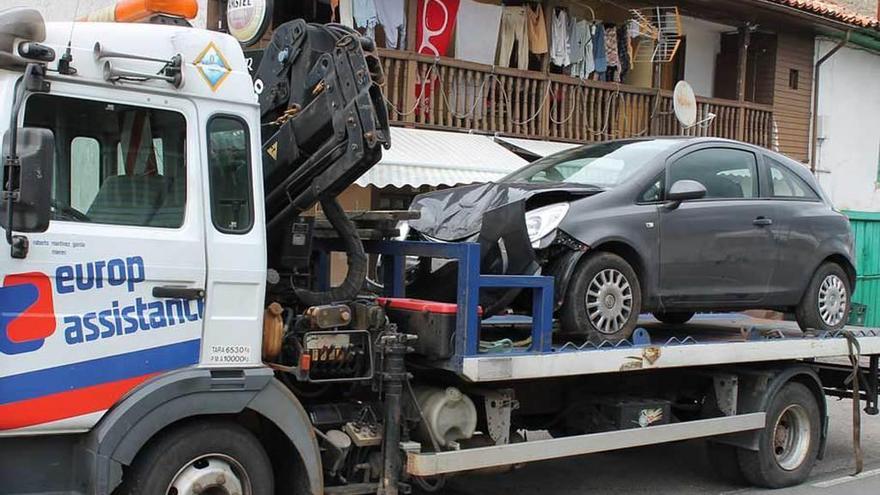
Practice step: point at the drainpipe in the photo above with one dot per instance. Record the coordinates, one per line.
(814, 143)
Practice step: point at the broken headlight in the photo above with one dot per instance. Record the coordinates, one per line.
(540, 222)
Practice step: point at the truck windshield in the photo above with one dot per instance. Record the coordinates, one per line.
(602, 165)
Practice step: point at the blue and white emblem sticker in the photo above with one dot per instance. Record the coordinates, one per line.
(212, 65)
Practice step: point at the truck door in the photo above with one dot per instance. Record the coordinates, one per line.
(120, 273)
(236, 237)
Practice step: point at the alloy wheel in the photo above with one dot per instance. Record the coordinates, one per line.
(609, 301)
(832, 300)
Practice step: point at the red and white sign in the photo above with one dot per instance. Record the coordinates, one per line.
(435, 26)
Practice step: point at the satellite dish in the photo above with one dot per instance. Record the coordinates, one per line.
(685, 104)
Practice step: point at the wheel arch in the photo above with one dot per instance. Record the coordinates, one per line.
(845, 263)
(170, 399)
(635, 260)
(757, 389)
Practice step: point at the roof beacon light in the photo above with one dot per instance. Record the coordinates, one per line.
(141, 10)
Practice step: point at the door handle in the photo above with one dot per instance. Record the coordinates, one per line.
(178, 292)
(763, 221)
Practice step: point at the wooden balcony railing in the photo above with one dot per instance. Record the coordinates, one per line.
(453, 94)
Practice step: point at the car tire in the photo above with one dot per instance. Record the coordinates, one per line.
(205, 455)
(608, 280)
(785, 457)
(826, 302)
(674, 317)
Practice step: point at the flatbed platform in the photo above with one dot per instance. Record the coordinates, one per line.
(707, 340)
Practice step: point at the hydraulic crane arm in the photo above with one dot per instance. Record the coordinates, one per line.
(324, 118)
(324, 123)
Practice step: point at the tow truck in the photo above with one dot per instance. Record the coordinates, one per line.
(167, 324)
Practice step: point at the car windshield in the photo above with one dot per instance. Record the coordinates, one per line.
(602, 165)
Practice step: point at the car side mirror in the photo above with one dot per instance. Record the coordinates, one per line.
(685, 190)
(31, 183)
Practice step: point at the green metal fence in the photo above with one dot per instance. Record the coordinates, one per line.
(867, 231)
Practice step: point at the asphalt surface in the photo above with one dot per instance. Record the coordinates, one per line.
(682, 468)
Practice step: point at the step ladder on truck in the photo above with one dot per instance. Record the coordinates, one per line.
(166, 324)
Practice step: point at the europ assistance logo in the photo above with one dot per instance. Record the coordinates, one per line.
(27, 312)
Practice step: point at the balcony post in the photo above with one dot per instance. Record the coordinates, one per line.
(409, 89)
(745, 36)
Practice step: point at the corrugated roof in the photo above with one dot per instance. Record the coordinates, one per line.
(424, 157)
(832, 10)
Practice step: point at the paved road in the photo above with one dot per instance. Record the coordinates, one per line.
(682, 468)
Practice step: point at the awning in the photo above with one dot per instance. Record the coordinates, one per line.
(421, 157)
(534, 147)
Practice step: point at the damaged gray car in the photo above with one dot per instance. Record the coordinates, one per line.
(671, 226)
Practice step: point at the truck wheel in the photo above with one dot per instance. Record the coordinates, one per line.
(674, 317)
(217, 457)
(789, 444)
(604, 299)
(825, 305)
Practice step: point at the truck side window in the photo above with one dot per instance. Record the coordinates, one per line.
(232, 206)
(114, 163)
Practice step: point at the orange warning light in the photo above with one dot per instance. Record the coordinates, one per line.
(139, 10)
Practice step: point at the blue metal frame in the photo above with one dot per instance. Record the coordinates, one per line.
(470, 281)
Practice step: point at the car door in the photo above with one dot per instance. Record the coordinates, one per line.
(119, 273)
(718, 252)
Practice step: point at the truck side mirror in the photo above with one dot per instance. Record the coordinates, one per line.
(31, 183)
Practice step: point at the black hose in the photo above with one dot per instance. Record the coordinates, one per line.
(356, 259)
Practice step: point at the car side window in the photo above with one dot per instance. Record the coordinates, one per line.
(726, 173)
(786, 184)
(652, 193)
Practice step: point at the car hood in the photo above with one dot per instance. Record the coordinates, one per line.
(457, 213)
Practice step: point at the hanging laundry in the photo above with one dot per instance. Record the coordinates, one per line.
(633, 28)
(582, 63)
(476, 37)
(611, 52)
(392, 17)
(436, 22)
(365, 17)
(514, 28)
(537, 29)
(623, 52)
(599, 58)
(560, 38)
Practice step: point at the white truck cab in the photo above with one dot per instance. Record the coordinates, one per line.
(152, 194)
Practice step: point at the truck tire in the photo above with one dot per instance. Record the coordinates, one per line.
(674, 317)
(788, 446)
(825, 304)
(604, 299)
(209, 456)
